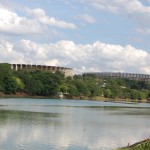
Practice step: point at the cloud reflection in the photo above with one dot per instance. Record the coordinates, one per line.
(83, 128)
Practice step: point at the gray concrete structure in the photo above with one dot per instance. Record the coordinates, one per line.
(131, 76)
(68, 72)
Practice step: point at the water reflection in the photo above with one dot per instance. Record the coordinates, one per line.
(64, 127)
(24, 117)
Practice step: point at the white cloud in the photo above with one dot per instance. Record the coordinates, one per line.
(11, 23)
(41, 16)
(8, 54)
(88, 18)
(134, 9)
(82, 57)
(117, 6)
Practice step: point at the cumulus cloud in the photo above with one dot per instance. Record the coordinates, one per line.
(11, 23)
(82, 57)
(88, 18)
(41, 16)
(8, 54)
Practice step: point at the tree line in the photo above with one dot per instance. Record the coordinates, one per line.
(44, 83)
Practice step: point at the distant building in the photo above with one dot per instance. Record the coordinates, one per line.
(131, 76)
(68, 72)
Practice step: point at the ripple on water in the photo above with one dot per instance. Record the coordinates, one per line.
(75, 125)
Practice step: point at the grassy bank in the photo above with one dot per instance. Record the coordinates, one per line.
(23, 95)
(96, 98)
(143, 145)
(102, 98)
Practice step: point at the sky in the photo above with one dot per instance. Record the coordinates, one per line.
(86, 35)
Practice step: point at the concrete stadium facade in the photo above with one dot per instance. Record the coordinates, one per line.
(68, 72)
(131, 76)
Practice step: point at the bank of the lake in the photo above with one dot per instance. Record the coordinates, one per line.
(95, 98)
(142, 145)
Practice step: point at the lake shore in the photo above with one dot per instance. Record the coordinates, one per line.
(96, 98)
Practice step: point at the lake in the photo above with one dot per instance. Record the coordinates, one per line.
(51, 124)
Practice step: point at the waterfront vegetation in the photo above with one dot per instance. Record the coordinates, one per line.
(46, 84)
(143, 145)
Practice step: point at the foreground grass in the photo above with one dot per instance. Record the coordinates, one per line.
(143, 145)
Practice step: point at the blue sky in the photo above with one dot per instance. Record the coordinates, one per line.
(87, 35)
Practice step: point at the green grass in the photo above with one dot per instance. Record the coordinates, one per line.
(143, 145)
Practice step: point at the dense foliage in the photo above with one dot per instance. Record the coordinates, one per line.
(44, 83)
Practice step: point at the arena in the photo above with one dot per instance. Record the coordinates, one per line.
(131, 76)
(68, 72)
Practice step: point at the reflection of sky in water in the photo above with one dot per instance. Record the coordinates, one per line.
(71, 125)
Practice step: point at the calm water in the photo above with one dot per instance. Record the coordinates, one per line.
(43, 124)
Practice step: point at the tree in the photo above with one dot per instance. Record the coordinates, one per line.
(73, 91)
(63, 88)
(134, 94)
(10, 85)
(107, 93)
(82, 87)
(143, 94)
(34, 87)
(5, 70)
(93, 88)
(20, 84)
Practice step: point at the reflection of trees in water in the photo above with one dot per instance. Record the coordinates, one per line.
(25, 118)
